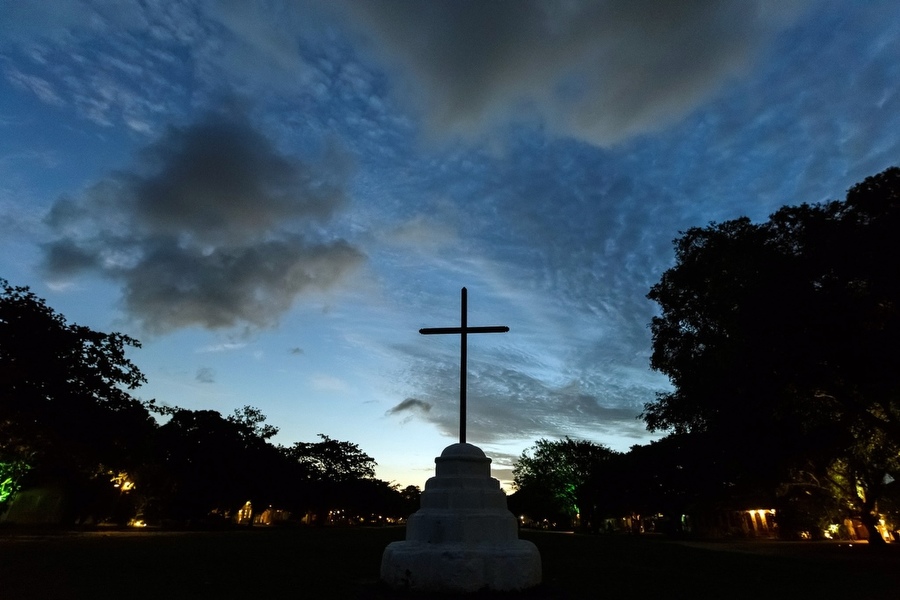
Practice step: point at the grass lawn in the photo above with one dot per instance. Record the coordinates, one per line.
(339, 563)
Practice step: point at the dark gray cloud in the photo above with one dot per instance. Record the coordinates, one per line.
(410, 405)
(173, 287)
(212, 227)
(221, 181)
(600, 71)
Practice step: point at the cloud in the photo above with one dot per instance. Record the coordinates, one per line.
(221, 347)
(23, 20)
(206, 375)
(263, 45)
(508, 398)
(598, 71)
(221, 181)
(410, 405)
(212, 227)
(41, 88)
(95, 58)
(421, 232)
(329, 383)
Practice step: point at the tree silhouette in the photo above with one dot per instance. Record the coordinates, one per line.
(334, 475)
(253, 423)
(212, 463)
(780, 337)
(551, 479)
(332, 460)
(64, 400)
(67, 418)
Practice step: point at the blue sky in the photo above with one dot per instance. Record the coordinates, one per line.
(274, 197)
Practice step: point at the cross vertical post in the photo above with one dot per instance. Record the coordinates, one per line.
(463, 351)
(463, 330)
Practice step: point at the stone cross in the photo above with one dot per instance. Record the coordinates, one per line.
(463, 330)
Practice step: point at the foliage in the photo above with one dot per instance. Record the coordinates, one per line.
(11, 474)
(210, 462)
(253, 422)
(410, 497)
(332, 460)
(779, 339)
(337, 475)
(673, 476)
(64, 400)
(67, 418)
(552, 475)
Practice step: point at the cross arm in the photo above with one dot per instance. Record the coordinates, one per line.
(442, 330)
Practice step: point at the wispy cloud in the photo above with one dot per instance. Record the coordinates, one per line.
(329, 383)
(576, 139)
(43, 89)
(421, 232)
(505, 401)
(221, 347)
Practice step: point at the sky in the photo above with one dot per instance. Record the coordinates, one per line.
(274, 197)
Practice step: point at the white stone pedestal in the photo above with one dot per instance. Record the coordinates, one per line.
(463, 538)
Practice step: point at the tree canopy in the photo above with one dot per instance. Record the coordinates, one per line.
(212, 462)
(780, 340)
(252, 423)
(67, 419)
(64, 389)
(551, 475)
(332, 460)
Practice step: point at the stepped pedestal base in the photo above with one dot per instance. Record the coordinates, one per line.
(463, 538)
(461, 568)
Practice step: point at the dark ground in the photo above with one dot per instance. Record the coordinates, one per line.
(342, 563)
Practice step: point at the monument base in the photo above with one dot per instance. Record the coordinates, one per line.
(461, 568)
(463, 538)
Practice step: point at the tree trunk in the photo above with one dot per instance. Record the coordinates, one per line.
(870, 520)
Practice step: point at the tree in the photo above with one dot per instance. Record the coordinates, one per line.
(253, 422)
(11, 474)
(331, 472)
(332, 460)
(779, 339)
(209, 462)
(551, 476)
(64, 391)
(410, 497)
